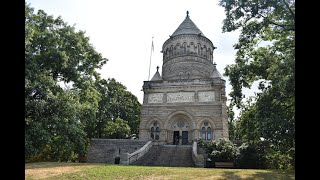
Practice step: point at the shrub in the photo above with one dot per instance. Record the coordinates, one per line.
(219, 151)
(252, 156)
(280, 160)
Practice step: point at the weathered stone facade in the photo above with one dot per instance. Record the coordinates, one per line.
(188, 102)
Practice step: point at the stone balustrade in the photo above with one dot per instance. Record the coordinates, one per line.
(139, 153)
(198, 159)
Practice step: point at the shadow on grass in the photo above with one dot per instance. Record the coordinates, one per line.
(274, 174)
(267, 175)
(55, 164)
(230, 175)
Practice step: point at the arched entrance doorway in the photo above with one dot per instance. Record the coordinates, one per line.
(180, 129)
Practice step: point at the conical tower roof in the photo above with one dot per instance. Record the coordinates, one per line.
(156, 76)
(187, 27)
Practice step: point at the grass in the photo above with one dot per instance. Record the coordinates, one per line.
(54, 170)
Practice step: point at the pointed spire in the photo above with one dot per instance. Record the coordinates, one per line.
(187, 27)
(215, 72)
(156, 76)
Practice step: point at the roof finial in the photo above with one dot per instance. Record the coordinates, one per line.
(157, 68)
(187, 13)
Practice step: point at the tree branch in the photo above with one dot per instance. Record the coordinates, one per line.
(287, 5)
(282, 25)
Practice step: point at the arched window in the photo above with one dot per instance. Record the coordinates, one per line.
(180, 75)
(203, 132)
(188, 75)
(184, 48)
(155, 131)
(208, 133)
(171, 51)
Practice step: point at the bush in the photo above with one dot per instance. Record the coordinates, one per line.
(252, 156)
(280, 160)
(221, 151)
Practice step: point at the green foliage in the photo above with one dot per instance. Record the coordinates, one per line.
(117, 102)
(53, 129)
(118, 129)
(231, 124)
(252, 156)
(59, 122)
(219, 151)
(281, 160)
(265, 54)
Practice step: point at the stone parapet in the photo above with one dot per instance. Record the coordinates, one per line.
(105, 150)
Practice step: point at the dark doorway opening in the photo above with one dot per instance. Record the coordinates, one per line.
(184, 137)
(176, 137)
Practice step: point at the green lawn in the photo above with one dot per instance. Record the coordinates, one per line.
(52, 170)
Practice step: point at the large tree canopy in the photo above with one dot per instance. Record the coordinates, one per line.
(60, 121)
(265, 54)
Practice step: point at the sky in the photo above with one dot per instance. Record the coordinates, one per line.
(122, 31)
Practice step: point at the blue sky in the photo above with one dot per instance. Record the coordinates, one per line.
(122, 31)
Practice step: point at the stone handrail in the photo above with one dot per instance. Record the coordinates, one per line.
(198, 159)
(139, 153)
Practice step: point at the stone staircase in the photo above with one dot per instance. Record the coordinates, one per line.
(167, 155)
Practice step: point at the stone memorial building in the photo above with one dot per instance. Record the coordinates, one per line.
(187, 101)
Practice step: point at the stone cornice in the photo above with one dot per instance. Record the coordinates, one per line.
(187, 36)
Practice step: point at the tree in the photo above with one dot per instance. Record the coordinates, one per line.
(56, 119)
(59, 122)
(231, 123)
(265, 53)
(117, 102)
(117, 129)
(222, 150)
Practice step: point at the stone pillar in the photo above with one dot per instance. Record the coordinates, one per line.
(169, 137)
(163, 135)
(196, 134)
(124, 158)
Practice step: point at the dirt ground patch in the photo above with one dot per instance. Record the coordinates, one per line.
(46, 170)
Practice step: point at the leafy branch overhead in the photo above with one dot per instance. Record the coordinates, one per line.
(265, 54)
(59, 121)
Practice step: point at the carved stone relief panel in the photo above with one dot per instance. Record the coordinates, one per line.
(177, 97)
(155, 98)
(207, 96)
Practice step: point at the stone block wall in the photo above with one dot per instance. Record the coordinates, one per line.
(105, 150)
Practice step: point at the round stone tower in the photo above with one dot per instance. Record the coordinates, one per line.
(188, 101)
(187, 54)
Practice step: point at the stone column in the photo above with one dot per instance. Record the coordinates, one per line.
(164, 135)
(196, 134)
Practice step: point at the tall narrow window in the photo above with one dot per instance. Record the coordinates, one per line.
(155, 131)
(209, 133)
(152, 133)
(203, 132)
(206, 131)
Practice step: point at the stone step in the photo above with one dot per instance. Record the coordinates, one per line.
(167, 155)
